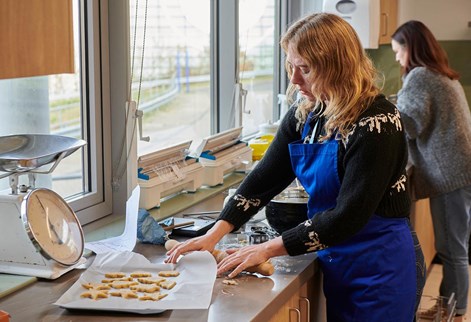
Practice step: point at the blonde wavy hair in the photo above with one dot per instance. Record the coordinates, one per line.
(343, 76)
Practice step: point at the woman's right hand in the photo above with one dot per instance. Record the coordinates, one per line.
(201, 243)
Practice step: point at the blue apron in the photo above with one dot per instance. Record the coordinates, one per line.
(371, 276)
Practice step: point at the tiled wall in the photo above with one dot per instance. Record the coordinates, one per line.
(459, 56)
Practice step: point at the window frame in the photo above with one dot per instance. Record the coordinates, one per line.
(225, 33)
(96, 203)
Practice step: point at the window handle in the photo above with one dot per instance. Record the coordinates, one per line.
(139, 115)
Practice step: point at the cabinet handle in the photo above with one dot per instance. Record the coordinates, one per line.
(385, 30)
(298, 313)
(308, 306)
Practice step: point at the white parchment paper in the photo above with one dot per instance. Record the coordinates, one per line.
(127, 240)
(193, 289)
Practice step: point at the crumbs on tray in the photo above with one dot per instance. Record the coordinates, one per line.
(230, 282)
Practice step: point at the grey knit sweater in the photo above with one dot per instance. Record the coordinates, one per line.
(437, 121)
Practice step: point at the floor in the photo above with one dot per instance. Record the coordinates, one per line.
(432, 285)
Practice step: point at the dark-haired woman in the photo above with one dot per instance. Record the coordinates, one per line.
(437, 121)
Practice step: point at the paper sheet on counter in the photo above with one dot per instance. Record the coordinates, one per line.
(193, 290)
(127, 240)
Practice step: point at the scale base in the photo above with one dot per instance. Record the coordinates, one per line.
(52, 271)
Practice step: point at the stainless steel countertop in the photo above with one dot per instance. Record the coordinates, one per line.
(256, 298)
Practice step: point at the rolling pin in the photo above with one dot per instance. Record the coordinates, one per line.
(265, 269)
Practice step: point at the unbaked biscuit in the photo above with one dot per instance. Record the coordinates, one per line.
(169, 273)
(111, 280)
(95, 294)
(140, 274)
(168, 285)
(145, 288)
(115, 275)
(125, 294)
(96, 286)
(152, 297)
(151, 280)
(122, 284)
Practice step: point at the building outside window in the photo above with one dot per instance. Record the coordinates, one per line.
(174, 89)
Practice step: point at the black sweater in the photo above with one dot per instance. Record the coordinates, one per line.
(371, 168)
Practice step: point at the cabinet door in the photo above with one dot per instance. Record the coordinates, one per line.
(388, 20)
(421, 220)
(36, 37)
(291, 310)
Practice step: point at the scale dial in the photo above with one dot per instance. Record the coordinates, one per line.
(52, 226)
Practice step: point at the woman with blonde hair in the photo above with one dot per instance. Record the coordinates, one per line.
(345, 143)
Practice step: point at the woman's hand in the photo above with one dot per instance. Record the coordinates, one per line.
(201, 243)
(242, 258)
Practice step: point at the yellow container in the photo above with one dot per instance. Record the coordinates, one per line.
(260, 145)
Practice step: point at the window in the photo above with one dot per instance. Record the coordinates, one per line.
(69, 105)
(176, 87)
(171, 83)
(179, 89)
(257, 61)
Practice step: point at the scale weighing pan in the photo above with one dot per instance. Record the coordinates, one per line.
(39, 232)
(26, 152)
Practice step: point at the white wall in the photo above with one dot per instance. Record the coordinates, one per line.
(447, 19)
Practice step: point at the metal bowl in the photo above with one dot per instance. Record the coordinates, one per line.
(292, 195)
(288, 209)
(26, 152)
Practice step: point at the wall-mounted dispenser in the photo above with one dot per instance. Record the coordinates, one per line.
(363, 15)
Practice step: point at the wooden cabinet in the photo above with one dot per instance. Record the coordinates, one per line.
(388, 20)
(296, 309)
(36, 37)
(307, 304)
(421, 220)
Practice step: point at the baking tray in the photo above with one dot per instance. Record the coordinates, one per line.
(193, 290)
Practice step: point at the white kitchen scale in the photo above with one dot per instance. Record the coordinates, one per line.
(40, 234)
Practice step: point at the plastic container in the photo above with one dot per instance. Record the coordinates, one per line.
(260, 145)
(262, 141)
(215, 169)
(268, 129)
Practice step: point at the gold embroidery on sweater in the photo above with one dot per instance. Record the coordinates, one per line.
(400, 184)
(375, 122)
(314, 243)
(246, 203)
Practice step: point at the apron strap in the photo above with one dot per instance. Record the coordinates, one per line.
(314, 133)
